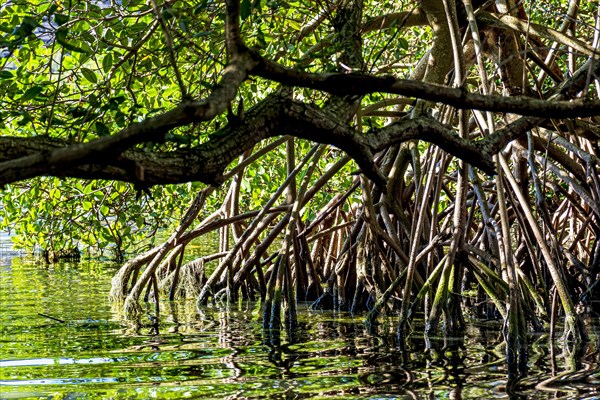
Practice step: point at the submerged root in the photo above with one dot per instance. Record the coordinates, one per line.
(132, 310)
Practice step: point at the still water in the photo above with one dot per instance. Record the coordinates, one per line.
(225, 353)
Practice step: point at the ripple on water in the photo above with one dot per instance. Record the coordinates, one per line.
(224, 353)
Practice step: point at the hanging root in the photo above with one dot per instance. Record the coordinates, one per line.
(190, 280)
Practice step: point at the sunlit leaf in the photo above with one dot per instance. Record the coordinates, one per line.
(89, 75)
(107, 62)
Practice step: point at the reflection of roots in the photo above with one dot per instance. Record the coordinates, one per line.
(132, 309)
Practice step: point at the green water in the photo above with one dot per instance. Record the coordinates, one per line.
(226, 354)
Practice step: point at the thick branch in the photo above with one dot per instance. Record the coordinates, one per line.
(104, 158)
(233, 38)
(404, 19)
(362, 84)
(274, 116)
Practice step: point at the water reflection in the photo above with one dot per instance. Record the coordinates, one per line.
(225, 353)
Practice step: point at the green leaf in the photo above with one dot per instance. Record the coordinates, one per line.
(54, 193)
(25, 120)
(245, 9)
(61, 38)
(183, 25)
(403, 43)
(31, 93)
(168, 13)
(107, 62)
(295, 25)
(89, 75)
(61, 19)
(51, 8)
(93, 100)
(120, 119)
(101, 129)
(202, 33)
(201, 7)
(107, 236)
(6, 75)
(26, 28)
(140, 26)
(88, 188)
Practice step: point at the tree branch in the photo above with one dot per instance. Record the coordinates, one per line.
(404, 19)
(207, 162)
(99, 158)
(508, 22)
(233, 37)
(361, 84)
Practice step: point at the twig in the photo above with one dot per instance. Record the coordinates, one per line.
(55, 319)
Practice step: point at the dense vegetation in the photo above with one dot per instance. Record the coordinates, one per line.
(467, 181)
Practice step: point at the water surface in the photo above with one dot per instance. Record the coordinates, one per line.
(225, 353)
